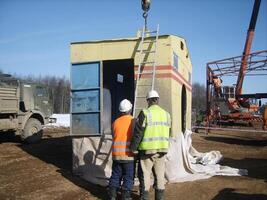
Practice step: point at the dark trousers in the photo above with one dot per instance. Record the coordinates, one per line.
(122, 171)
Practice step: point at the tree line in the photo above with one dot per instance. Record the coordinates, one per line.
(198, 97)
(59, 92)
(198, 103)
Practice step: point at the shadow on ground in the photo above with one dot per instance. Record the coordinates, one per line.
(6, 137)
(229, 193)
(256, 167)
(58, 152)
(237, 141)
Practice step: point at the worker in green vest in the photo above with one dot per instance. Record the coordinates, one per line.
(151, 140)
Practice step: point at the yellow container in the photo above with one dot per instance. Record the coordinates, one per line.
(114, 65)
(173, 72)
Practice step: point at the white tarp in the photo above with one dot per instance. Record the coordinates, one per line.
(92, 160)
(185, 163)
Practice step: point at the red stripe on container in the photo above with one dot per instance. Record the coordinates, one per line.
(164, 67)
(167, 75)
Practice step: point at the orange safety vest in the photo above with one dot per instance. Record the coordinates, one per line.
(122, 135)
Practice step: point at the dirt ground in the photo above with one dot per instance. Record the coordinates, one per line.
(43, 170)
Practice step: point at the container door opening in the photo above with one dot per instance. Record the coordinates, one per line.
(183, 109)
(118, 84)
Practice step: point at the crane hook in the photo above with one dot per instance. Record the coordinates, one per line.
(145, 7)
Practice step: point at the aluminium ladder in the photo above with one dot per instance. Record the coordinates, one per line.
(147, 56)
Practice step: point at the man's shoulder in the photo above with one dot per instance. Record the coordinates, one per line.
(123, 117)
(143, 112)
(163, 109)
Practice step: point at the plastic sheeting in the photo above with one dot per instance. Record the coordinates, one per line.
(185, 163)
(92, 160)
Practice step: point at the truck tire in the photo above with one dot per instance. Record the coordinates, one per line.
(32, 132)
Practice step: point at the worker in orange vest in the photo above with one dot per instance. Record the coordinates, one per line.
(123, 159)
(217, 81)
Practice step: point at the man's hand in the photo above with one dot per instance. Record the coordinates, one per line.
(135, 152)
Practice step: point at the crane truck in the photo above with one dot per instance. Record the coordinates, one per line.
(228, 103)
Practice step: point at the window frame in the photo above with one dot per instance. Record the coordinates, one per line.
(100, 100)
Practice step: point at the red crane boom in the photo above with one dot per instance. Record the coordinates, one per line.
(246, 52)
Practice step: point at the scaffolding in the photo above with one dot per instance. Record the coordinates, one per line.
(224, 103)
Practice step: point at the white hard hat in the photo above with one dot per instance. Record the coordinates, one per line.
(125, 105)
(152, 94)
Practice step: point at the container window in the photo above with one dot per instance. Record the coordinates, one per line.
(85, 76)
(85, 124)
(182, 45)
(175, 61)
(85, 99)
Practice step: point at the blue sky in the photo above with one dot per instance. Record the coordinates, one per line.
(35, 35)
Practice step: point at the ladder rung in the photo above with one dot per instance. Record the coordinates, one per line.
(144, 85)
(102, 153)
(146, 51)
(149, 51)
(150, 31)
(149, 41)
(147, 62)
(145, 73)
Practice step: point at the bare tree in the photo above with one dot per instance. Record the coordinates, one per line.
(198, 97)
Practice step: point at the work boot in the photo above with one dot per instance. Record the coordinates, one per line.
(126, 195)
(144, 196)
(159, 194)
(112, 193)
(141, 190)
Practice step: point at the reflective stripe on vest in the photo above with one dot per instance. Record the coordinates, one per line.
(121, 147)
(156, 139)
(156, 134)
(122, 150)
(122, 143)
(122, 130)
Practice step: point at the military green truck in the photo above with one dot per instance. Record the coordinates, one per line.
(24, 108)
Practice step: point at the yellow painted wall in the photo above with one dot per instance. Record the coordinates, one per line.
(184, 57)
(170, 89)
(118, 49)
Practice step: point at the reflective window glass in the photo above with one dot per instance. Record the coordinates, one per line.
(175, 61)
(85, 76)
(41, 91)
(85, 98)
(85, 101)
(85, 124)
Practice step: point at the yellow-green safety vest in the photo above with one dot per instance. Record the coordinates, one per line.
(157, 131)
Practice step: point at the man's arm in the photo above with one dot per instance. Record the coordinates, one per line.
(138, 132)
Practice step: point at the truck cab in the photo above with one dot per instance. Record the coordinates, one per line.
(24, 108)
